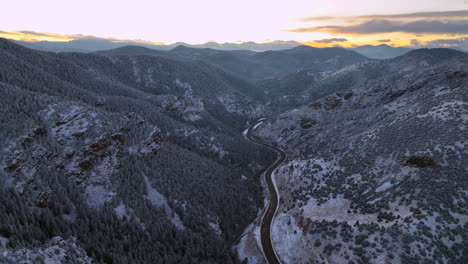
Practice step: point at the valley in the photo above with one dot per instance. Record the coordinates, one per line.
(273, 198)
(136, 155)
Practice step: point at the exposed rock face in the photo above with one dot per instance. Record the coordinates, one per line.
(88, 150)
(42, 200)
(307, 123)
(153, 143)
(189, 106)
(421, 161)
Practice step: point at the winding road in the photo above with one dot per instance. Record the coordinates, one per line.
(273, 198)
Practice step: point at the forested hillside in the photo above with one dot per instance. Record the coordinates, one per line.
(257, 65)
(130, 159)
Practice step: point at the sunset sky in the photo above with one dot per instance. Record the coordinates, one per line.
(314, 22)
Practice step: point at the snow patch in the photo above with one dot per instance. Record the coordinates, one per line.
(56, 250)
(385, 186)
(121, 211)
(158, 200)
(98, 195)
(286, 236)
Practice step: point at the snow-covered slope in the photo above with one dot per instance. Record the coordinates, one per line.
(376, 174)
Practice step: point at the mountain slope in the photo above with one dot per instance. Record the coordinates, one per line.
(303, 87)
(271, 63)
(382, 51)
(159, 79)
(377, 175)
(130, 51)
(122, 159)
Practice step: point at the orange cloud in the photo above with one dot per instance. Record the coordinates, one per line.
(398, 39)
(25, 35)
(392, 29)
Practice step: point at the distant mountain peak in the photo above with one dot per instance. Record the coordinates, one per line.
(433, 52)
(304, 47)
(182, 47)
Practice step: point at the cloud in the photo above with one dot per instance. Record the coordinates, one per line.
(46, 34)
(27, 32)
(386, 26)
(331, 40)
(384, 40)
(460, 43)
(449, 41)
(27, 35)
(463, 14)
(415, 42)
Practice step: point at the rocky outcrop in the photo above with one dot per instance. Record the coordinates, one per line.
(56, 250)
(151, 144)
(307, 123)
(82, 145)
(42, 199)
(420, 161)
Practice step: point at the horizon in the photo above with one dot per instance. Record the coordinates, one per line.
(458, 45)
(317, 23)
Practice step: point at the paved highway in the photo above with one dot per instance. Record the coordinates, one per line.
(273, 197)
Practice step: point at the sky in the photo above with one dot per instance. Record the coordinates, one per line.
(314, 22)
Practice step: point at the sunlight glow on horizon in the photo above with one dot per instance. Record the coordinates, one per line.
(197, 22)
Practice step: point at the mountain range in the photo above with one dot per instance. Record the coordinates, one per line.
(94, 44)
(382, 51)
(256, 65)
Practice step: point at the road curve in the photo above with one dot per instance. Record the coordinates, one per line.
(273, 195)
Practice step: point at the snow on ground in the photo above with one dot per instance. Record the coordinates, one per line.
(336, 209)
(235, 103)
(148, 76)
(215, 227)
(385, 186)
(3, 242)
(216, 148)
(229, 102)
(70, 121)
(97, 195)
(186, 132)
(248, 247)
(445, 110)
(441, 90)
(121, 211)
(136, 71)
(396, 105)
(56, 250)
(158, 200)
(294, 246)
(184, 85)
(287, 238)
